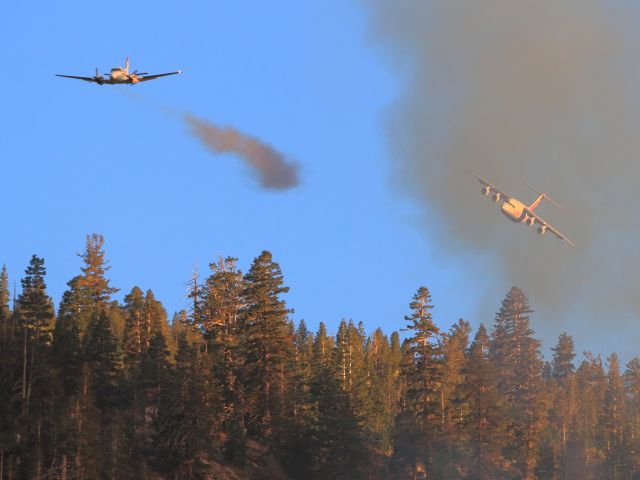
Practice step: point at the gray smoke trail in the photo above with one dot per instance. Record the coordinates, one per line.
(274, 171)
(543, 91)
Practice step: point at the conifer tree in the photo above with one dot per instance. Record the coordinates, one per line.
(591, 387)
(486, 423)
(382, 371)
(135, 334)
(220, 305)
(182, 425)
(93, 283)
(450, 456)
(5, 312)
(613, 421)
(8, 370)
(422, 373)
(561, 388)
(106, 400)
(34, 311)
(519, 365)
(632, 387)
(268, 346)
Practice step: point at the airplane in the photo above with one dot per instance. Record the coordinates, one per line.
(518, 212)
(121, 75)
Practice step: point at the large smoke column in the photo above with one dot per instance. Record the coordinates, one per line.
(543, 91)
(273, 170)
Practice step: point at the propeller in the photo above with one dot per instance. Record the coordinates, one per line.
(139, 73)
(99, 78)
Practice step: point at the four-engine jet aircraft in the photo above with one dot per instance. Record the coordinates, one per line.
(121, 75)
(518, 212)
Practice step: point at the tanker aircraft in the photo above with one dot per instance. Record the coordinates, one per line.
(519, 212)
(119, 75)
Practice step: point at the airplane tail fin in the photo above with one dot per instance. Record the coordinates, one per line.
(126, 66)
(543, 196)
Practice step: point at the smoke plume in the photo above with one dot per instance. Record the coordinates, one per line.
(272, 169)
(542, 91)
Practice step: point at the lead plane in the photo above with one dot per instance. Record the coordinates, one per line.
(519, 212)
(121, 76)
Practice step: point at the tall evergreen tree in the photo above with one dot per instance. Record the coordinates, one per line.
(220, 306)
(613, 422)
(8, 371)
(268, 346)
(486, 422)
(182, 425)
(93, 283)
(519, 365)
(590, 449)
(450, 456)
(422, 374)
(35, 315)
(632, 388)
(561, 388)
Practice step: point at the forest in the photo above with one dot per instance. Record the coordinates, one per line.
(232, 388)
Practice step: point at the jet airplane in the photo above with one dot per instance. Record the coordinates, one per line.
(119, 75)
(519, 212)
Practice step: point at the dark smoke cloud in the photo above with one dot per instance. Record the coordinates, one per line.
(543, 91)
(271, 167)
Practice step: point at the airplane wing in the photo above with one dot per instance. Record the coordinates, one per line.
(493, 188)
(153, 77)
(541, 221)
(86, 79)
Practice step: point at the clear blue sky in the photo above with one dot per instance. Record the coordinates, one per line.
(77, 158)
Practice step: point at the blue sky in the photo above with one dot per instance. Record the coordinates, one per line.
(78, 158)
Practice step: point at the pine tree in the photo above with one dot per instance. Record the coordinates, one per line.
(93, 283)
(422, 373)
(8, 371)
(220, 306)
(381, 384)
(613, 421)
(450, 458)
(519, 365)
(561, 387)
(34, 311)
(6, 329)
(486, 423)
(182, 424)
(106, 399)
(268, 346)
(135, 334)
(632, 388)
(590, 449)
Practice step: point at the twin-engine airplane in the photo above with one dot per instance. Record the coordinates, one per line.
(121, 75)
(518, 212)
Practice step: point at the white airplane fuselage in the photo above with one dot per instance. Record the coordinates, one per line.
(117, 75)
(514, 210)
(122, 75)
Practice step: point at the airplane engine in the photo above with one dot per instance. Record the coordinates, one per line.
(486, 191)
(496, 197)
(542, 229)
(530, 221)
